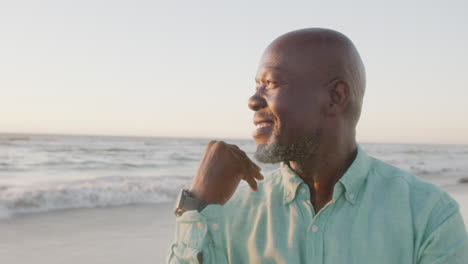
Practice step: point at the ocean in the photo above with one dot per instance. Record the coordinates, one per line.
(40, 173)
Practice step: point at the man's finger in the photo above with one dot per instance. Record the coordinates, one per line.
(251, 174)
(235, 154)
(257, 175)
(253, 163)
(250, 171)
(255, 172)
(255, 169)
(241, 152)
(251, 181)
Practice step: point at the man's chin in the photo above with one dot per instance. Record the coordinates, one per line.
(262, 140)
(268, 153)
(300, 150)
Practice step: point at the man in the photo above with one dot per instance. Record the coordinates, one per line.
(329, 202)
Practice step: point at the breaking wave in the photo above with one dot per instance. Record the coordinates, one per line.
(99, 192)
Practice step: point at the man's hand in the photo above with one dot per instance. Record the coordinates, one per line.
(221, 169)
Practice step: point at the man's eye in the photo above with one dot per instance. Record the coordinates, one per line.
(267, 84)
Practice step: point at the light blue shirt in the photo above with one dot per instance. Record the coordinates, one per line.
(378, 214)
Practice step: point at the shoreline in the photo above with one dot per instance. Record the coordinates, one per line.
(119, 234)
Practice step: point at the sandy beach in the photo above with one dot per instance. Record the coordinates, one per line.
(123, 234)
(115, 235)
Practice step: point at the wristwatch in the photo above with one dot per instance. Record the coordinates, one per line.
(186, 202)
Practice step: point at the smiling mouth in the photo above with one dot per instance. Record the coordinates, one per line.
(264, 124)
(263, 131)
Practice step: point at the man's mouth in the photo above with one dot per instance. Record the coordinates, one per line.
(263, 131)
(264, 124)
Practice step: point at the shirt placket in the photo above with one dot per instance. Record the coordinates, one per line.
(316, 227)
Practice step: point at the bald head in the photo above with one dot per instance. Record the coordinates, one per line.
(309, 89)
(324, 55)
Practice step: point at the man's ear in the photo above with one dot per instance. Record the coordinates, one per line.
(339, 92)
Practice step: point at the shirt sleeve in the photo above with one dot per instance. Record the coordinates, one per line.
(446, 239)
(198, 237)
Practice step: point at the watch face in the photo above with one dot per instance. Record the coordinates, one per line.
(178, 206)
(179, 198)
(179, 203)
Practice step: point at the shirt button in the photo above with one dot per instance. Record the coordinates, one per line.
(314, 228)
(215, 226)
(200, 225)
(351, 196)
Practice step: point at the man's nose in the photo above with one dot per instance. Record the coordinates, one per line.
(257, 102)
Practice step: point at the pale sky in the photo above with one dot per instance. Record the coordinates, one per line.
(186, 68)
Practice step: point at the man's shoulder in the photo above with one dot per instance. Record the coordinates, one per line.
(419, 192)
(388, 173)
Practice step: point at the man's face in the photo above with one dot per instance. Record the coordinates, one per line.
(288, 105)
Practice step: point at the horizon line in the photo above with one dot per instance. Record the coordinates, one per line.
(202, 137)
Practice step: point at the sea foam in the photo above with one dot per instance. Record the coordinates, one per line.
(99, 192)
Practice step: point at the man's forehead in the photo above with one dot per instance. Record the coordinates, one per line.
(273, 61)
(283, 63)
(274, 56)
(262, 68)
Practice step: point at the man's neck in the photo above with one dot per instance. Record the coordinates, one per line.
(322, 171)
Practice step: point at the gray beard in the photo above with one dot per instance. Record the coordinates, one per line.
(300, 150)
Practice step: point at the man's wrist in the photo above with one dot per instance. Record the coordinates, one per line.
(187, 202)
(196, 195)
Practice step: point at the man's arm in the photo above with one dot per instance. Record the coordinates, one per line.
(198, 234)
(446, 239)
(198, 237)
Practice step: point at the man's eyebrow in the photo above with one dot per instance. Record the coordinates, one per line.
(275, 68)
(271, 68)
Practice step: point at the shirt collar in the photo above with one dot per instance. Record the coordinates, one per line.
(352, 180)
(291, 182)
(356, 175)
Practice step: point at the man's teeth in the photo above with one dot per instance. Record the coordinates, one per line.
(265, 124)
